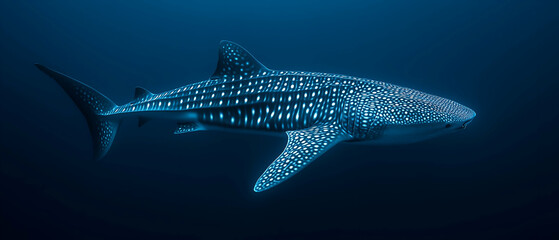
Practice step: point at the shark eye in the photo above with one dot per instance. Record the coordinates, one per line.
(448, 126)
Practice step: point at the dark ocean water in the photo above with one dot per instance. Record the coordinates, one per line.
(496, 180)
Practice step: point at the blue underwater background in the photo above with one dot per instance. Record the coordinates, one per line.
(498, 179)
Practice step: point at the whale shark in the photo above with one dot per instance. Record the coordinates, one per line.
(315, 110)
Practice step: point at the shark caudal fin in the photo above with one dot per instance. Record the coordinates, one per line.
(92, 104)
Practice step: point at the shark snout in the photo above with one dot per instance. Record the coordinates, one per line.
(468, 118)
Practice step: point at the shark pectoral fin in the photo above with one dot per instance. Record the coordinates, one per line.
(303, 146)
(188, 127)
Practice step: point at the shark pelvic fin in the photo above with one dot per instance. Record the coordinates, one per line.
(234, 61)
(303, 147)
(142, 121)
(187, 127)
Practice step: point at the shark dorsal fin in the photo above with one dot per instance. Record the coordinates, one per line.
(141, 92)
(234, 61)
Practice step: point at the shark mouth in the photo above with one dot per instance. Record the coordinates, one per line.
(466, 123)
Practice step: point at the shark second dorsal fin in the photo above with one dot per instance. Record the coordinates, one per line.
(141, 92)
(303, 147)
(234, 61)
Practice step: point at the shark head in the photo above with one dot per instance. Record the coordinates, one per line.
(406, 115)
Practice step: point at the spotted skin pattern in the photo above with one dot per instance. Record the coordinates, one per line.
(316, 110)
(302, 148)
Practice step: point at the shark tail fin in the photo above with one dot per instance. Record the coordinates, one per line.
(92, 104)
